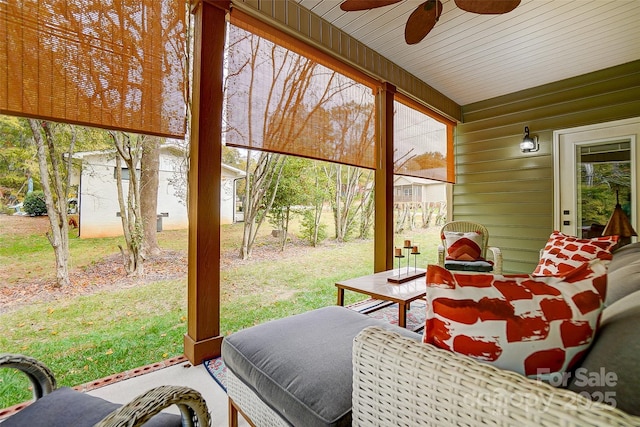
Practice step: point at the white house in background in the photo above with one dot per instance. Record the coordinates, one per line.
(408, 189)
(98, 207)
(421, 198)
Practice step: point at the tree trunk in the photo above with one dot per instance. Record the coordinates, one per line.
(285, 227)
(401, 217)
(345, 209)
(149, 181)
(128, 150)
(268, 170)
(317, 215)
(367, 210)
(57, 212)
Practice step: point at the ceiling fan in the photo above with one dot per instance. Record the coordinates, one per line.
(424, 18)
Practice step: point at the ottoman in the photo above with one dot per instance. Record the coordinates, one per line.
(299, 367)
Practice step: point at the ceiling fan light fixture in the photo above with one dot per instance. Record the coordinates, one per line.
(529, 143)
(425, 16)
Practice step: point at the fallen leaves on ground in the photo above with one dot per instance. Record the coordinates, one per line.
(106, 274)
(109, 273)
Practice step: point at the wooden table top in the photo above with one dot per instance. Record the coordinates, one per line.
(377, 286)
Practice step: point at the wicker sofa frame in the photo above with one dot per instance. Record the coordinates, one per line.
(246, 402)
(398, 381)
(137, 412)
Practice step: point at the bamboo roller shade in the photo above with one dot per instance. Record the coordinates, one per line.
(115, 64)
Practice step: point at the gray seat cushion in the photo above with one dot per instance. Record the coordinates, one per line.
(610, 372)
(301, 365)
(66, 407)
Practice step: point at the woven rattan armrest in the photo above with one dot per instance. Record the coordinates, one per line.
(191, 404)
(39, 374)
(135, 413)
(399, 381)
(496, 254)
(441, 255)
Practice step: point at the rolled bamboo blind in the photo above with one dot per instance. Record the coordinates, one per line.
(107, 63)
(280, 101)
(287, 97)
(423, 144)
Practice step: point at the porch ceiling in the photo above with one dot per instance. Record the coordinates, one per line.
(471, 57)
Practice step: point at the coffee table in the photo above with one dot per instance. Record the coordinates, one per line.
(377, 286)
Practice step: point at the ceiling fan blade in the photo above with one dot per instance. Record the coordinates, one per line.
(355, 5)
(422, 20)
(487, 7)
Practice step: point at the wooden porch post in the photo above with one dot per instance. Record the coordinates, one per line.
(202, 340)
(383, 230)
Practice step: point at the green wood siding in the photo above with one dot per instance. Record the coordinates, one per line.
(511, 192)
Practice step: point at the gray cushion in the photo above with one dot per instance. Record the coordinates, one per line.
(301, 365)
(66, 407)
(624, 273)
(468, 265)
(610, 372)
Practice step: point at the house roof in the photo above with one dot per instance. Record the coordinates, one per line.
(470, 57)
(405, 180)
(171, 148)
(234, 171)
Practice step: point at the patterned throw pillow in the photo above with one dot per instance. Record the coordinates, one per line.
(463, 246)
(563, 253)
(531, 325)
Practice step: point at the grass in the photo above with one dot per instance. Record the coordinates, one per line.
(31, 256)
(89, 337)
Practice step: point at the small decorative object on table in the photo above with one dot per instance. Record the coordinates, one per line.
(404, 275)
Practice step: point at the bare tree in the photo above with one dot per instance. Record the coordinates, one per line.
(282, 99)
(266, 174)
(319, 194)
(149, 180)
(401, 214)
(55, 178)
(367, 211)
(352, 186)
(129, 151)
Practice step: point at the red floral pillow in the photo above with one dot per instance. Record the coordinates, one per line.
(531, 325)
(563, 253)
(463, 246)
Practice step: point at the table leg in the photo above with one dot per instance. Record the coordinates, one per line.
(402, 315)
(340, 296)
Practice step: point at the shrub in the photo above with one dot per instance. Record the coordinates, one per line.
(34, 203)
(308, 228)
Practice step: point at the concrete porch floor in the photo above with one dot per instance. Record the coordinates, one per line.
(183, 374)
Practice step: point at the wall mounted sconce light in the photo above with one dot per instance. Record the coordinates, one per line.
(529, 143)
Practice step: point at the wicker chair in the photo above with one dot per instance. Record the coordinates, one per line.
(465, 227)
(64, 406)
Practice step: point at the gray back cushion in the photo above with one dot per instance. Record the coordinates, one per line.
(610, 372)
(624, 273)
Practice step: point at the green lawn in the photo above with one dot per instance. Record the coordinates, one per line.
(84, 338)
